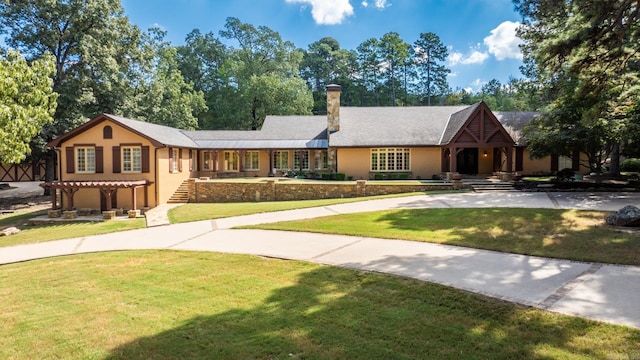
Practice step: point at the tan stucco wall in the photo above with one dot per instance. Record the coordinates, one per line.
(356, 162)
(168, 182)
(90, 198)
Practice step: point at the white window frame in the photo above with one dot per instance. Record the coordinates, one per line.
(131, 159)
(251, 160)
(87, 163)
(296, 160)
(231, 161)
(175, 154)
(279, 157)
(390, 160)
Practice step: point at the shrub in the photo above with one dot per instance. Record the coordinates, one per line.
(378, 176)
(630, 165)
(325, 176)
(392, 176)
(403, 176)
(350, 178)
(564, 175)
(340, 176)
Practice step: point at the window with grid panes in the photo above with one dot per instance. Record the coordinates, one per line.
(131, 159)
(86, 159)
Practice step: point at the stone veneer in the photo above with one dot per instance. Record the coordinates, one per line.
(203, 191)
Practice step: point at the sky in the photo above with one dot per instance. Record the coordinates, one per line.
(479, 34)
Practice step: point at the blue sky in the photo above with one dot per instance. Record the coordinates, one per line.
(480, 34)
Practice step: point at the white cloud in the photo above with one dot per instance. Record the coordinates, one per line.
(328, 12)
(380, 4)
(475, 57)
(503, 42)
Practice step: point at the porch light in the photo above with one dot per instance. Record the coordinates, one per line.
(485, 153)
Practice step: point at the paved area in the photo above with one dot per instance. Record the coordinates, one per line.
(598, 291)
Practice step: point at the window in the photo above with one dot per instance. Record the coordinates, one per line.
(301, 157)
(252, 160)
(175, 163)
(391, 159)
(230, 161)
(86, 159)
(321, 160)
(107, 132)
(564, 162)
(281, 160)
(131, 159)
(207, 160)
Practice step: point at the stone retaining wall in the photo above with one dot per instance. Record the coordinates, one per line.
(203, 191)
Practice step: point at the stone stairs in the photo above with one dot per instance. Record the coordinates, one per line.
(489, 184)
(181, 195)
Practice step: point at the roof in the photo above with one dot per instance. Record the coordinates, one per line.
(158, 135)
(392, 126)
(359, 127)
(514, 121)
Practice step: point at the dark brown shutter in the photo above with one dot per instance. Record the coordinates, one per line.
(554, 162)
(116, 159)
(107, 132)
(71, 160)
(519, 159)
(99, 160)
(145, 159)
(171, 160)
(575, 160)
(180, 160)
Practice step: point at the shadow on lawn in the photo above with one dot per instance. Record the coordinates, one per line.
(566, 234)
(338, 313)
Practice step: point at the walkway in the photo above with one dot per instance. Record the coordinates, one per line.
(604, 292)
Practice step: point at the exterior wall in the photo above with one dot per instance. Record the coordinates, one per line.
(167, 180)
(203, 191)
(90, 198)
(356, 162)
(534, 166)
(425, 162)
(485, 163)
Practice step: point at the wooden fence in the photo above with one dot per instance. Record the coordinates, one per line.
(23, 172)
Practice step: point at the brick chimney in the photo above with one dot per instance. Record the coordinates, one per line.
(333, 108)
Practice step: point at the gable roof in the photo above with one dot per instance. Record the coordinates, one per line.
(158, 135)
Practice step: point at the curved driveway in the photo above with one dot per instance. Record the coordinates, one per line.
(604, 292)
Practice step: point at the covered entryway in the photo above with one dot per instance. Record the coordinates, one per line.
(475, 142)
(108, 191)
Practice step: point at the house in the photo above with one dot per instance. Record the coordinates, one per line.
(114, 162)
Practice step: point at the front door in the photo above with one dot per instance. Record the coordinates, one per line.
(467, 161)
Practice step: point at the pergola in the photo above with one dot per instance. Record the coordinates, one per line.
(108, 188)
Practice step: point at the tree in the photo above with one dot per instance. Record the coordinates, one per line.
(27, 103)
(164, 97)
(96, 52)
(262, 56)
(369, 60)
(394, 52)
(428, 51)
(581, 49)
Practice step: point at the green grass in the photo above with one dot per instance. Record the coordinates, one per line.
(170, 304)
(41, 233)
(204, 211)
(567, 234)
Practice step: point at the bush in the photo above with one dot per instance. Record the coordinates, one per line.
(564, 175)
(403, 176)
(630, 165)
(325, 176)
(392, 176)
(350, 178)
(378, 176)
(340, 176)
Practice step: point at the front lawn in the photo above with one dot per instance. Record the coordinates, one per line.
(41, 233)
(566, 234)
(186, 305)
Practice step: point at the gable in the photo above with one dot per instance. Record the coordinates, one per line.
(481, 129)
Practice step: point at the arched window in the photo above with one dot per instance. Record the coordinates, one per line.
(107, 133)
